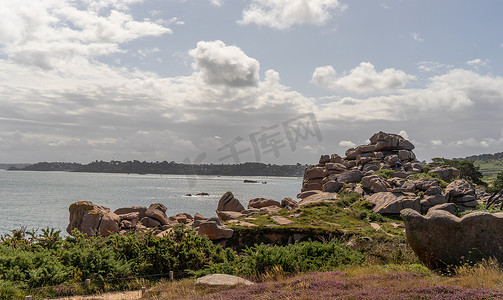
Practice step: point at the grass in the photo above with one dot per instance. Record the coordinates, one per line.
(348, 215)
(490, 168)
(405, 281)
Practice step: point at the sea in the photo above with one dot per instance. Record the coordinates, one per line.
(36, 200)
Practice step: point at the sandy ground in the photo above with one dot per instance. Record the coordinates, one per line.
(130, 295)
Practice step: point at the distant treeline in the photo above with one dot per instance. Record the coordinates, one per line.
(494, 156)
(8, 166)
(164, 167)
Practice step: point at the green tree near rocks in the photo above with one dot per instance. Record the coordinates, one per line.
(467, 169)
(497, 184)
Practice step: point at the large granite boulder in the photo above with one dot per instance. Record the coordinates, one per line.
(214, 229)
(375, 183)
(462, 192)
(198, 219)
(424, 184)
(91, 222)
(228, 215)
(390, 141)
(109, 224)
(306, 194)
(157, 211)
(229, 203)
(86, 217)
(182, 218)
(314, 172)
(289, 203)
(262, 202)
(129, 220)
(318, 198)
(429, 201)
(351, 176)
(393, 203)
(132, 209)
(446, 173)
(440, 239)
(459, 188)
(332, 186)
(150, 222)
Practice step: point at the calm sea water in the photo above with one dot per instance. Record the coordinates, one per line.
(41, 199)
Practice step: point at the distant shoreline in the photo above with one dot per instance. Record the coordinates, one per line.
(168, 168)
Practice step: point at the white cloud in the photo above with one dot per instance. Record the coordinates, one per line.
(363, 79)
(477, 63)
(112, 109)
(217, 2)
(415, 36)
(459, 94)
(436, 142)
(404, 134)
(348, 144)
(314, 149)
(280, 14)
(471, 142)
(49, 33)
(147, 52)
(432, 66)
(227, 65)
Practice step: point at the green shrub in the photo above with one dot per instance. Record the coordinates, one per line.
(385, 173)
(293, 258)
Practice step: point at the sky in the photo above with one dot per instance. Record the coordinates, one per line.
(231, 81)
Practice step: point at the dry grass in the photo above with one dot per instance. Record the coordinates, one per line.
(182, 289)
(486, 274)
(372, 282)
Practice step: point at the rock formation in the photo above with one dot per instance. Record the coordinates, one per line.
(441, 239)
(385, 151)
(86, 217)
(92, 219)
(462, 193)
(262, 202)
(391, 203)
(229, 203)
(214, 229)
(392, 155)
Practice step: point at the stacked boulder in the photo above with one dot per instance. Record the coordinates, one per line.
(462, 193)
(93, 220)
(356, 172)
(229, 207)
(385, 151)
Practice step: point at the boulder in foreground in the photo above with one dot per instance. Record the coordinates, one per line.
(441, 240)
(222, 280)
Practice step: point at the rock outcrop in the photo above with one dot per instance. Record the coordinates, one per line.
(462, 193)
(446, 173)
(441, 239)
(385, 151)
(393, 203)
(214, 229)
(92, 219)
(262, 202)
(229, 203)
(86, 217)
(157, 212)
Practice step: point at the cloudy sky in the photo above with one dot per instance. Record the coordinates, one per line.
(225, 81)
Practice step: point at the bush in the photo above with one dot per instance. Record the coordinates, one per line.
(497, 184)
(293, 258)
(110, 262)
(385, 173)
